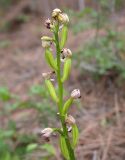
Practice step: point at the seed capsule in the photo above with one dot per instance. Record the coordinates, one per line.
(70, 120)
(66, 70)
(67, 105)
(64, 34)
(50, 59)
(51, 90)
(75, 94)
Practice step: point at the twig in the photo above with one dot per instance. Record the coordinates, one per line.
(117, 110)
(105, 153)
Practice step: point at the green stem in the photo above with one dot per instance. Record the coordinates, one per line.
(60, 90)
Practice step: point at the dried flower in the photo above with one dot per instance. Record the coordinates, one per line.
(46, 133)
(48, 75)
(75, 94)
(48, 23)
(63, 18)
(70, 120)
(46, 41)
(66, 53)
(56, 12)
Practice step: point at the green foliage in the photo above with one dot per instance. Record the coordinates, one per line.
(9, 150)
(22, 18)
(5, 43)
(120, 4)
(83, 20)
(31, 147)
(49, 148)
(104, 54)
(4, 94)
(9, 137)
(81, 26)
(6, 152)
(39, 90)
(5, 3)
(5, 26)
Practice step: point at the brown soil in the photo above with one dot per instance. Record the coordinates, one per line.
(101, 115)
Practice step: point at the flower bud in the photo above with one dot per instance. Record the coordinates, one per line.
(66, 53)
(46, 133)
(70, 120)
(75, 94)
(48, 75)
(56, 12)
(46, 41)
(63, 18)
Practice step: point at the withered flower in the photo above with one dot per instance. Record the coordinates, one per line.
(70, 120)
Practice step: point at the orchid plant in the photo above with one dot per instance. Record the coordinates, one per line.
(60, 68)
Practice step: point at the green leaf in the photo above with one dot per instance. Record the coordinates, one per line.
(49, 148)
(75, 135)
(31, 147)
(63, 148)
(64, 34)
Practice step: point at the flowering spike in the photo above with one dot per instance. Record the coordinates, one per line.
(59, 23)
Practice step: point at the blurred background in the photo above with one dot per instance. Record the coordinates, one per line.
(97, 40)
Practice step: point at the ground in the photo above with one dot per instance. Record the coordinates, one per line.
(101, 113)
